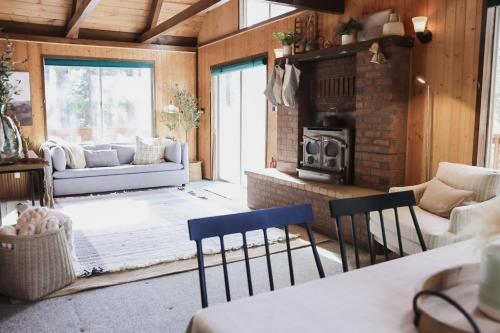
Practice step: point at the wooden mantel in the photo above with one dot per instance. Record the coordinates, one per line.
(348, 50)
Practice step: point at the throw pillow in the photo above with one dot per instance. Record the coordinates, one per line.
(440, 199)
(373, 25)
(173, 152)
(101, 158)
(58, 158)
(149, 151)
(125, 153)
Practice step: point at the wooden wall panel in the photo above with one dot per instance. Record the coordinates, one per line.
(449, 63)
(170, 68)
(219, 22)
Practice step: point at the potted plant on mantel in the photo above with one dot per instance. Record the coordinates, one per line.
(287, 39)
(347, 31)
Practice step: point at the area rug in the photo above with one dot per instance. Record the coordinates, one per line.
(124, 231)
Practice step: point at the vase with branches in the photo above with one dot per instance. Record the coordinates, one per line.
(189, 111)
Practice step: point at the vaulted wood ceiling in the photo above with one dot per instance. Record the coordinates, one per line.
(164, 22)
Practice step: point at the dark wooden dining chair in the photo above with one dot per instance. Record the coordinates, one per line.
(364, 206)
(220, 226)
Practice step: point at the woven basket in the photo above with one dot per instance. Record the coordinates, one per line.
(36, 265)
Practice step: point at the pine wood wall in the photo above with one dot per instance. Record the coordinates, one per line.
(449, 63)
(170, 68)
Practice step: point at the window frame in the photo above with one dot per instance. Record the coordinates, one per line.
(242, 22)
(154, 129)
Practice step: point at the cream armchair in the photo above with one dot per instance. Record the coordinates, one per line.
(439, 231)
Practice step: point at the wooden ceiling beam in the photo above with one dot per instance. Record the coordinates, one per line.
(94, 43)
(187, 13)
(82, 12)
(154, 14)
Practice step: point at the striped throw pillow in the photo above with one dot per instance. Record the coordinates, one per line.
(149, 151)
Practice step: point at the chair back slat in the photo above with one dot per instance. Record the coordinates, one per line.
(224, 268)
(247, 265)
(398, 232)
(376, 204)
(355, 241)
(268, 261)
(384, 237)
(219, 226)
(370, 245)
(289, 255)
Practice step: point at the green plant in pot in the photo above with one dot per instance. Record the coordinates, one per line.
(287, 39)
(189, 111)
(347, 30)
(10, 136)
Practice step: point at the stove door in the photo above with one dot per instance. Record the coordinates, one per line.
(312, 152)
(333, 154)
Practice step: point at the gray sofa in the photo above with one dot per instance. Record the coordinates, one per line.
(126, 176)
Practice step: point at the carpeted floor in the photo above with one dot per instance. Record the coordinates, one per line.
(163, 304)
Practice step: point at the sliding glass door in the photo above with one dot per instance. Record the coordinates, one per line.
(240, 123)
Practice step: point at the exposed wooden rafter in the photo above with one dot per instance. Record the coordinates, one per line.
(83, 11)
(96, 43)
(187, 13)
(154, 14)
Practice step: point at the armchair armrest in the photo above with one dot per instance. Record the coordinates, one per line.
(417, 189)
(484, 212)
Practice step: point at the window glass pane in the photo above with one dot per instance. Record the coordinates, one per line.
(277, 10)
(93, 104)
(256, 11)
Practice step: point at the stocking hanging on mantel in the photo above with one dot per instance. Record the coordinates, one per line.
(291, 82)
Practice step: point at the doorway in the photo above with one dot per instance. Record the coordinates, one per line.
(240, 119)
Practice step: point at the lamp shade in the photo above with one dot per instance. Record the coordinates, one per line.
(419, 23)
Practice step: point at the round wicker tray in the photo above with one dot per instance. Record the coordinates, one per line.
(461, 284)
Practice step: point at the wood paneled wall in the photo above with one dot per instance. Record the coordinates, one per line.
(449, 63)
(170, 68)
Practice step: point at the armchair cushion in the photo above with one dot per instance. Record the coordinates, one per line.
(440, 199)
(486, 212)
(484, 182)
(418, 190)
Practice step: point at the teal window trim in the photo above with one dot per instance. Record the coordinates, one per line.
(72, 62)
(238, 66)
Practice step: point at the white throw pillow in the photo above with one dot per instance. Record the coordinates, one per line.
(373, 25)
(58, 158)
(173, 152)
(149, 151)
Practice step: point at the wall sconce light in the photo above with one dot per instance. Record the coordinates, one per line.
(420, 26)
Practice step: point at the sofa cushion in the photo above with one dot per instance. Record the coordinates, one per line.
(117, 170)
(433, 227)
(173, 152)
(58, 158)
(440, 199)
(149, 151)
(125, 153)
(484, 182)
(101, 158)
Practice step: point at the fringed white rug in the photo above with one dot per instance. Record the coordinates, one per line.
(122, 231)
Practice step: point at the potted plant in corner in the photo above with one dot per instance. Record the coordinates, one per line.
(347, 31)
(189, 118)
(287, 39)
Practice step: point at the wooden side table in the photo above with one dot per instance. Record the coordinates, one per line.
(35, 171)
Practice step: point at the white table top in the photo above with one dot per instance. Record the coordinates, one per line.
(373, 299)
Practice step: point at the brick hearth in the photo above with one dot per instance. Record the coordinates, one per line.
(271, 188)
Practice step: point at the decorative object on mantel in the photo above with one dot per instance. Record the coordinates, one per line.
(378, 56)
(306, 26)
(373, 25)
(394, 27)
(347, 31)
(189, 111)
(287, 39)
(420, 26)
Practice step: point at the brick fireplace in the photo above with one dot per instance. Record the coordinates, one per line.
(375, 107)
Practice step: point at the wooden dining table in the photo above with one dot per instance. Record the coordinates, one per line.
(372, 299)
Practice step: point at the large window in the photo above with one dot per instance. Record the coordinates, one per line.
(98, 101)
(256, 11)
